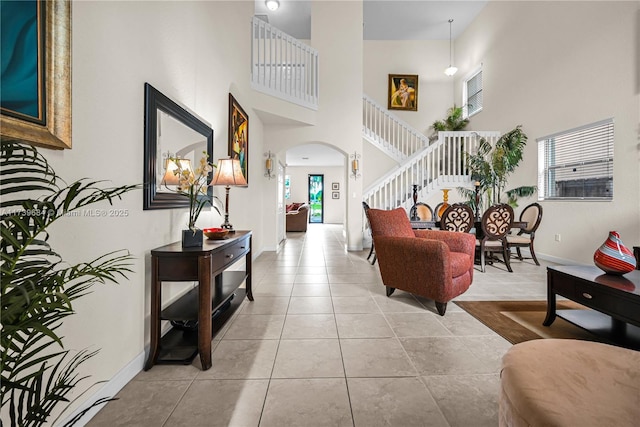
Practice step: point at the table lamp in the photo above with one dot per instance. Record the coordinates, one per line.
(228, 173)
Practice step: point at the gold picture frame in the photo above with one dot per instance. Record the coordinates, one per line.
(403, 92)
(56, 131)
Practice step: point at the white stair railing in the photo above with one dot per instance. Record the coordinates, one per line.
(440, 165)
(283, 66)
(388, 133)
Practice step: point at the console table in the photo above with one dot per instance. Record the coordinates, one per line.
(206, 265)
(614, 300)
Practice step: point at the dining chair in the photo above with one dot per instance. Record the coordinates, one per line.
(372, 251)
(457, 217)
(436, 217)
(421, 212)
(496, 223)
(532, 215)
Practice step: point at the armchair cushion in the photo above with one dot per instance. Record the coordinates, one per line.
(391, 223)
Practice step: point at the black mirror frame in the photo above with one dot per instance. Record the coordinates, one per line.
(154, 100)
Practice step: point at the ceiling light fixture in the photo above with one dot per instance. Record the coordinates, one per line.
(272, 4)
(451, 70)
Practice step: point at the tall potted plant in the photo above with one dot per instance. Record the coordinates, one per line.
(38, 287)
(491, 166)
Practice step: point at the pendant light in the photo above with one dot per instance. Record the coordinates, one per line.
(272, 4)
(451, 70)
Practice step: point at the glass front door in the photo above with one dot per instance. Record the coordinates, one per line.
(316, 198)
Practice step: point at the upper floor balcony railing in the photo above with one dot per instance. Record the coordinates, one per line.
(283, 66)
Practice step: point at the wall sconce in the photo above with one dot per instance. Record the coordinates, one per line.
(268, 165)
(355, 165)
(228, 173)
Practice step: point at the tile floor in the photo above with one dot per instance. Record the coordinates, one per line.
(322, 345)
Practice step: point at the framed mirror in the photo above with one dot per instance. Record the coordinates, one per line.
(170, 131)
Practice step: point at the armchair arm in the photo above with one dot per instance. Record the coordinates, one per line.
(456, 241)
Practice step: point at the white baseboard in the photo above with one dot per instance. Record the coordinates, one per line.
(109, 389)
(551, 258)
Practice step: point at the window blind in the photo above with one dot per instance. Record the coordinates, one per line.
(578, 163)
(474, 93)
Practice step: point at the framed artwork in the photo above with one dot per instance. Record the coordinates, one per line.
(239, 135)
(38, 110)
(335, 185)
(403, 92)
(335, 195)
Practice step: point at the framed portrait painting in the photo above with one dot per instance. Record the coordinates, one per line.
(335, 186)
(239, 135)
(403, 92)
(35, 93)
(335, 195)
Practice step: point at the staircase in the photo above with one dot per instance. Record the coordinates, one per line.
(284, 67)
(430, 166)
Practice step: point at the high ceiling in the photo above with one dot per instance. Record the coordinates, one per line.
(383, 20)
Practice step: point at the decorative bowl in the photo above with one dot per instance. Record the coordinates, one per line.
(215, 233)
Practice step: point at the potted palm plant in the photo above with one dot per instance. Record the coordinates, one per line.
(455, 121)
(38, 287)
(490, 168)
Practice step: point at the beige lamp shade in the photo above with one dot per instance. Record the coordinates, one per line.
(228, 172)
(172, 175)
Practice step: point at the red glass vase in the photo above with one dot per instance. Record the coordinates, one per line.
(613, 257)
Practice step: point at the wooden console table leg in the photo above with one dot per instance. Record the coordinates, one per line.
(551, 302)
(154, 327)
(248, 267)
(204, 311)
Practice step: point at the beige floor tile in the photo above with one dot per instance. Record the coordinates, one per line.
(310, 305)
(311, 290)
(393, 402)
(169, 372)
(272, 290)
(311, 278)
(399, 302)
(233, 403)
(466, 400)
(349, 290)
(255, 327)
(363, 326)
(462, 324)
(266, 305)
(355, 305)
(242, 359)
(298, 326)
(141, 403)
(416, 325)
(381, 357)
(443, 356)
(307, 402)
(309, 358)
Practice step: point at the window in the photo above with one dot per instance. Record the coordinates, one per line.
(472, 93)
(577, 164)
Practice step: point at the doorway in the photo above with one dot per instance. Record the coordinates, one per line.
(316, 199)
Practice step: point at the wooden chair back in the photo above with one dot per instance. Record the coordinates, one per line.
(457, 217)
(497, 221)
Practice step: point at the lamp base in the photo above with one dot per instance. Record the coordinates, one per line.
(228, 226)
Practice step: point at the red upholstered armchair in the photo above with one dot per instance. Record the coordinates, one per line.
(434, 264)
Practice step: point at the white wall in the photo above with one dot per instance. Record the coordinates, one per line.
(195, 53)
(426, 58)
(551, 66)
(334, 209)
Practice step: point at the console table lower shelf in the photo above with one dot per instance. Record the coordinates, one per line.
(180, 344)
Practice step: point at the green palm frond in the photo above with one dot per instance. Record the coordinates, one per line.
(37, 287)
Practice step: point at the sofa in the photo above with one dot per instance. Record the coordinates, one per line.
(297, 217)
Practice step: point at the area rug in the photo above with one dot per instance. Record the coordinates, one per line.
(518, 321)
